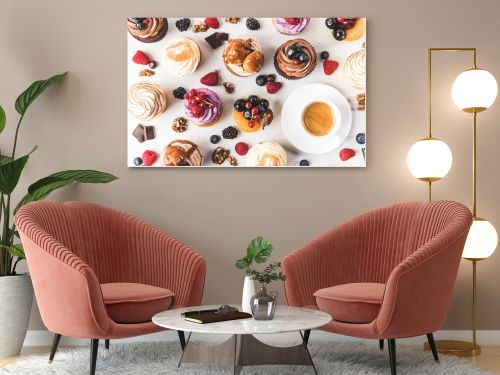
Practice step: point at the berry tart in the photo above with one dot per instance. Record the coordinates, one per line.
(202, 106)
(182, 56)
(355, 69)
(266, 154)
(289, 25)
(252, 114)
(295, 59)
(243, 57)
(182, 153)
(147, 30)
(348, 29)
(146, 100)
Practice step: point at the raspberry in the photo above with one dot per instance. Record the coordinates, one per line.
(292, 21)
(346, 154)
(210, 79)
(273, 87)
(241, 148)
(330, 66)
(213, 23)
(149, 157)
(141, 58)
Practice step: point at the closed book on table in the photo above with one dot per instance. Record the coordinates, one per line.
(212, 317)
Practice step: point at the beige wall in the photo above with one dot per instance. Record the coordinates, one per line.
(81, 124)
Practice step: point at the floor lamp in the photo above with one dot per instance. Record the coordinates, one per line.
(473, 91)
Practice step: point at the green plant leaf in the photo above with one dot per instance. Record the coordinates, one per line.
(10, 172)
(3, 119)
(4, 159)
(29, 95)
(15, 250)
(242, 264)
(42, 188)
(259, 249)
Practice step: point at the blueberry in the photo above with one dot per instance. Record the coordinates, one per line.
(264, 103)
(304, 58)
(247, 115)
(339, 34)
(292, 53)
(261, 109)
(261, 80)
(138, 161)
(253, 99)
(331, 23)
(152, 64)
(271, 78)
(304, 163)
(296, 47)
(215, 139)
(239, 105)
(140, 26)
(360, 138)
(324, 55)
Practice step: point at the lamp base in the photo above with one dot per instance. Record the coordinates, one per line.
(456, 348)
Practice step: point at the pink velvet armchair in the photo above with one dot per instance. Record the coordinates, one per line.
(385, 274)
(99, 273)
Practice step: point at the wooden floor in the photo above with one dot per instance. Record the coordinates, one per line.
(488, 360)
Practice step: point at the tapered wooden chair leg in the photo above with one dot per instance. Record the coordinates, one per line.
(182, 339)
(381, 344)
(55, 344)
(106, 344)
(94, 346)
(392, 355)
(432, 344)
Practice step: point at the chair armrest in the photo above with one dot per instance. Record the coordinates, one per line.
(321, 263)
(67, 290)
(419, 289)
(165, 262)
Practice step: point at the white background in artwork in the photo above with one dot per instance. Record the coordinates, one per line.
(270, 39)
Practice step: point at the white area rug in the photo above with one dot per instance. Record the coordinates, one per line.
(162, 358)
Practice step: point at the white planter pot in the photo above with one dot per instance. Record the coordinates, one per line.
(16, 298)
(248, 292)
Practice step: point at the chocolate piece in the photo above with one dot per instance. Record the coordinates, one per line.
(364, 152)
(139, 133)
(217, 39)
(229, 87)
(267, 118)
(149, 133)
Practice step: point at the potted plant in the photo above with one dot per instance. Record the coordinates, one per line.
(16, 291)
(263, 303)
(259, 250)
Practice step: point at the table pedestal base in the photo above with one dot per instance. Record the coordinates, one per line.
(246, 350)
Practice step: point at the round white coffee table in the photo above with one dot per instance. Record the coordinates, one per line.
(242, 348)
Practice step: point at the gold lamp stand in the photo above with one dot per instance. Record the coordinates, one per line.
(455, 347)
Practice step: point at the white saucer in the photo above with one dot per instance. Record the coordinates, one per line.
(291, 118)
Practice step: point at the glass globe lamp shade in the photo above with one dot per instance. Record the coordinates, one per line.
(481, 241)
(474, 90)
(429, 159)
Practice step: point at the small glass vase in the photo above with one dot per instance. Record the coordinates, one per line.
(263, 304)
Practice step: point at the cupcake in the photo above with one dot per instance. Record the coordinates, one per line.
(182, 56)
(295, 59)
(243, 57)
(203, 106)
(266, 154)
(290, 26)
(252, 114)
(147, 30)
(181, 153)
(355, 69)
(146, 100)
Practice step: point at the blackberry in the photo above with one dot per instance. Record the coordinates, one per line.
(230, 132)
(253, 24)
(179, 92)
(183, 24)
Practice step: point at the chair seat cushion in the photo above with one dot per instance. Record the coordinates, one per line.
(351, 303)
(135, 303)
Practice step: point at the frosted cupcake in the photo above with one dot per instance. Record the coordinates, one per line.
(182, 56)
(146, 100)
(243, 57)
(266, 154)
(147, 30)
(290, 26)
(182, 153)
(295, 59)
(355, 69)
(203, 106)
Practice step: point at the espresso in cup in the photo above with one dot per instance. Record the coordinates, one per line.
(318, 119)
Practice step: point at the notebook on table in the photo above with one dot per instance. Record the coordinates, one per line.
(213, 316)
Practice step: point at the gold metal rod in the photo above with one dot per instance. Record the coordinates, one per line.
(474, 166)
(430, 191)
(474, 300)
(429, 90)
